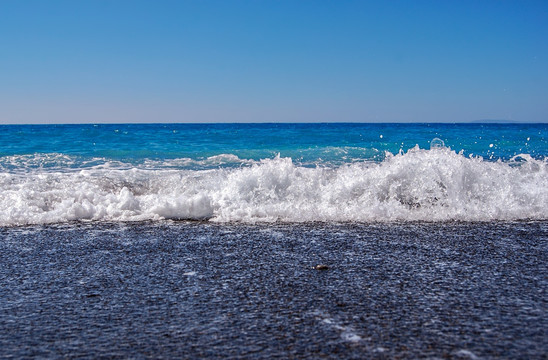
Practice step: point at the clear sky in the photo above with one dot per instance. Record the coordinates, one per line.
(273, 61)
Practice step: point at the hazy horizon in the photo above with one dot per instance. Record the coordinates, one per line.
(473, 122)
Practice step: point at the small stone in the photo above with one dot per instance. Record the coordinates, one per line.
(321, 267)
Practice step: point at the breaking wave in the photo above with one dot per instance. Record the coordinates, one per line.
(428, 185)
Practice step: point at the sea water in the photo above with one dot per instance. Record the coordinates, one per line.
(255, 173)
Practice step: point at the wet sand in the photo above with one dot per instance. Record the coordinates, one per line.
(201, 290)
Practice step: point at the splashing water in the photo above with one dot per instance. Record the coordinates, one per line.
(418, 185)
(335, 178)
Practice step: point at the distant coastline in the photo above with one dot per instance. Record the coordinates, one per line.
(496, 121)
(480, 121)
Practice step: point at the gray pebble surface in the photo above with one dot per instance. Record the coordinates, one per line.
(201, 290)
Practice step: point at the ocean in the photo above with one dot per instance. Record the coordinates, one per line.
(256, 241)
(273, 172)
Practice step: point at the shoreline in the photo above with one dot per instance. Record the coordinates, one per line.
(319, 223)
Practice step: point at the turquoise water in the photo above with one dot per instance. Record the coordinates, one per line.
(307, 143)
(273, 172)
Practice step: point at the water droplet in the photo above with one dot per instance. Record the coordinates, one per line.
(437, 143)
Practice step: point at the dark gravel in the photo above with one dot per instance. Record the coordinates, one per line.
(201, 290)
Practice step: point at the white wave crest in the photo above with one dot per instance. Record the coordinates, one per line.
(430, 185)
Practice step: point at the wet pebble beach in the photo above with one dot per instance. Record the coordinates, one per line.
(201, 290)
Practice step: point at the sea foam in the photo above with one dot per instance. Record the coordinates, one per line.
(429, 185)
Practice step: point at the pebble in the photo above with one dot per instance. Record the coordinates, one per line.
(321, 267)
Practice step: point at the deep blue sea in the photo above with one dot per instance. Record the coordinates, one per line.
(273, 172)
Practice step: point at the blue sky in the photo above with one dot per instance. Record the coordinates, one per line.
(273, 61)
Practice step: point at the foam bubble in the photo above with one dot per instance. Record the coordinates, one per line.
(437, 143)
